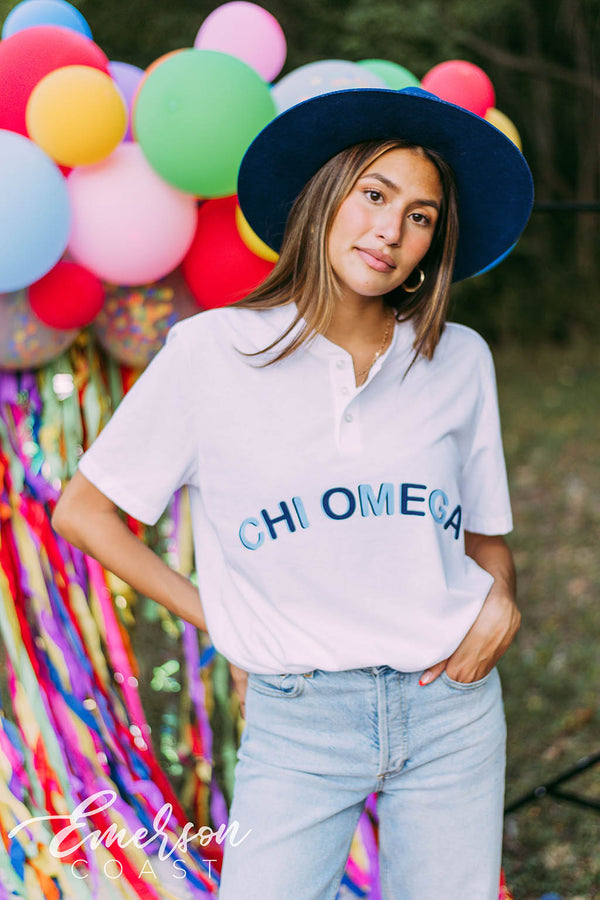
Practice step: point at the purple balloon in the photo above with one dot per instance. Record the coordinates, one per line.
(127, 78)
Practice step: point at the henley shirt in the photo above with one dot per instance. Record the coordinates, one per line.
(328, 519)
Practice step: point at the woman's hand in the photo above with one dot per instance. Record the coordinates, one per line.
(240, 683)
(498, 621)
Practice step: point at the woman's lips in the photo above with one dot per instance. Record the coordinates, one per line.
(373, 261)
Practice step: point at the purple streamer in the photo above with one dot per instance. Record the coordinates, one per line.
(218, 808)
(78, 677)
(368, 838)
(4, 895)
(9, 388)
(146, 788)
(196, 685)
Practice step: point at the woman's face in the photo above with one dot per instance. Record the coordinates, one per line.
(385, 225)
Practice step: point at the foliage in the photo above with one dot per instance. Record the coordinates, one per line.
(551, 673)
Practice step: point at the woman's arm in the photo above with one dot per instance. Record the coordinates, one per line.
(496, 625)
(86, 518)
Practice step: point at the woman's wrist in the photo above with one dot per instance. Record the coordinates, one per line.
(183, 600)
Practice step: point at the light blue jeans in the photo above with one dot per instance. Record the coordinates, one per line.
(316, 745)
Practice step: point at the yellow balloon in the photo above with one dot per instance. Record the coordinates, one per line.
(503, 124)
(77, 115)
(252, 240)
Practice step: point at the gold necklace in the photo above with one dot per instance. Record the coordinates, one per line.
(379, 351)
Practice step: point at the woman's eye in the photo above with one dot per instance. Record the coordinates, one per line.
(420, 218)
(374, 195)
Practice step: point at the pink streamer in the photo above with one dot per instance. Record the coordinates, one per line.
(116, 650)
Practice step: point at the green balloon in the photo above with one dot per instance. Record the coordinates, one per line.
(196, 115)
(395, 76)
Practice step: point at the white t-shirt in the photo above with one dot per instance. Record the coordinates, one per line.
(328, 519)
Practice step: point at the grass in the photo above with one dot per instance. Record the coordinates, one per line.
(550, 398)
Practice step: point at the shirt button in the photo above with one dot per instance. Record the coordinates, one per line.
(341, 363)
(349, 417)
(344, 390)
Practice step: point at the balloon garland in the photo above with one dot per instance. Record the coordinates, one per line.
(104, 164)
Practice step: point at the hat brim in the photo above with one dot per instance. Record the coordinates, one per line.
(495, 187)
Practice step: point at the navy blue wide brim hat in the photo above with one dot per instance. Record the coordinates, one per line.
(495, 187)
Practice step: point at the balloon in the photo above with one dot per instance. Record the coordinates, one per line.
(247, 31)
(44, 12)
(129, 226)
(27, 56)
(127, 78)
(219, 267)
(148, 71)
(77, 115)
(463, 83)
(69, 296)
(195, 116)
(393, 75)
(133, 324)
(504, 124)
(322, 78)
(25, 342)
(34, 212)
(252, 240)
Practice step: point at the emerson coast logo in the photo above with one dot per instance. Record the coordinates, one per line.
(76, 834)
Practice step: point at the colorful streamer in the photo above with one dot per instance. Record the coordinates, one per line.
(75, 726)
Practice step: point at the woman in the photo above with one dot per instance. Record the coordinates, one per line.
(342, 450)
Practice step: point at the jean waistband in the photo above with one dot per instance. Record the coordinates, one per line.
(370, 669)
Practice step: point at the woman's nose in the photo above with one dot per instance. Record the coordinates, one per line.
(389, 227)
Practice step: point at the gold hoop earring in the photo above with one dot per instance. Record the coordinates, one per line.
(411, 290)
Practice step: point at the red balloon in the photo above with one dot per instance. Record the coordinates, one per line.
(219, 268)
(27, 56)
(463, 83)
(69, 296)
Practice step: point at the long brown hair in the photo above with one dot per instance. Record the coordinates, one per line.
(303, 272)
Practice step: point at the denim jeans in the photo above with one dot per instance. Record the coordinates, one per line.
(315, 745)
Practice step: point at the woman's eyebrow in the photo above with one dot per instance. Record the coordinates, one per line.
(394, 187)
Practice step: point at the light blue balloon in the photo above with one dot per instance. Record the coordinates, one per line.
(44, 12)
(322, 77)
(35, 214)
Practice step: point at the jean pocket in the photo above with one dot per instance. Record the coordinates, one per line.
(465, 685)
(287, 684)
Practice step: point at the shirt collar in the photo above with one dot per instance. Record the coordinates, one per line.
(274, 322)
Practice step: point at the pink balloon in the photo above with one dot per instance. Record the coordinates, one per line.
(129, 226)
(247, 31)
(463, 83)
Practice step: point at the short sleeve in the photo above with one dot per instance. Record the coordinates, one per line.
(148, 449)
(484, 484)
